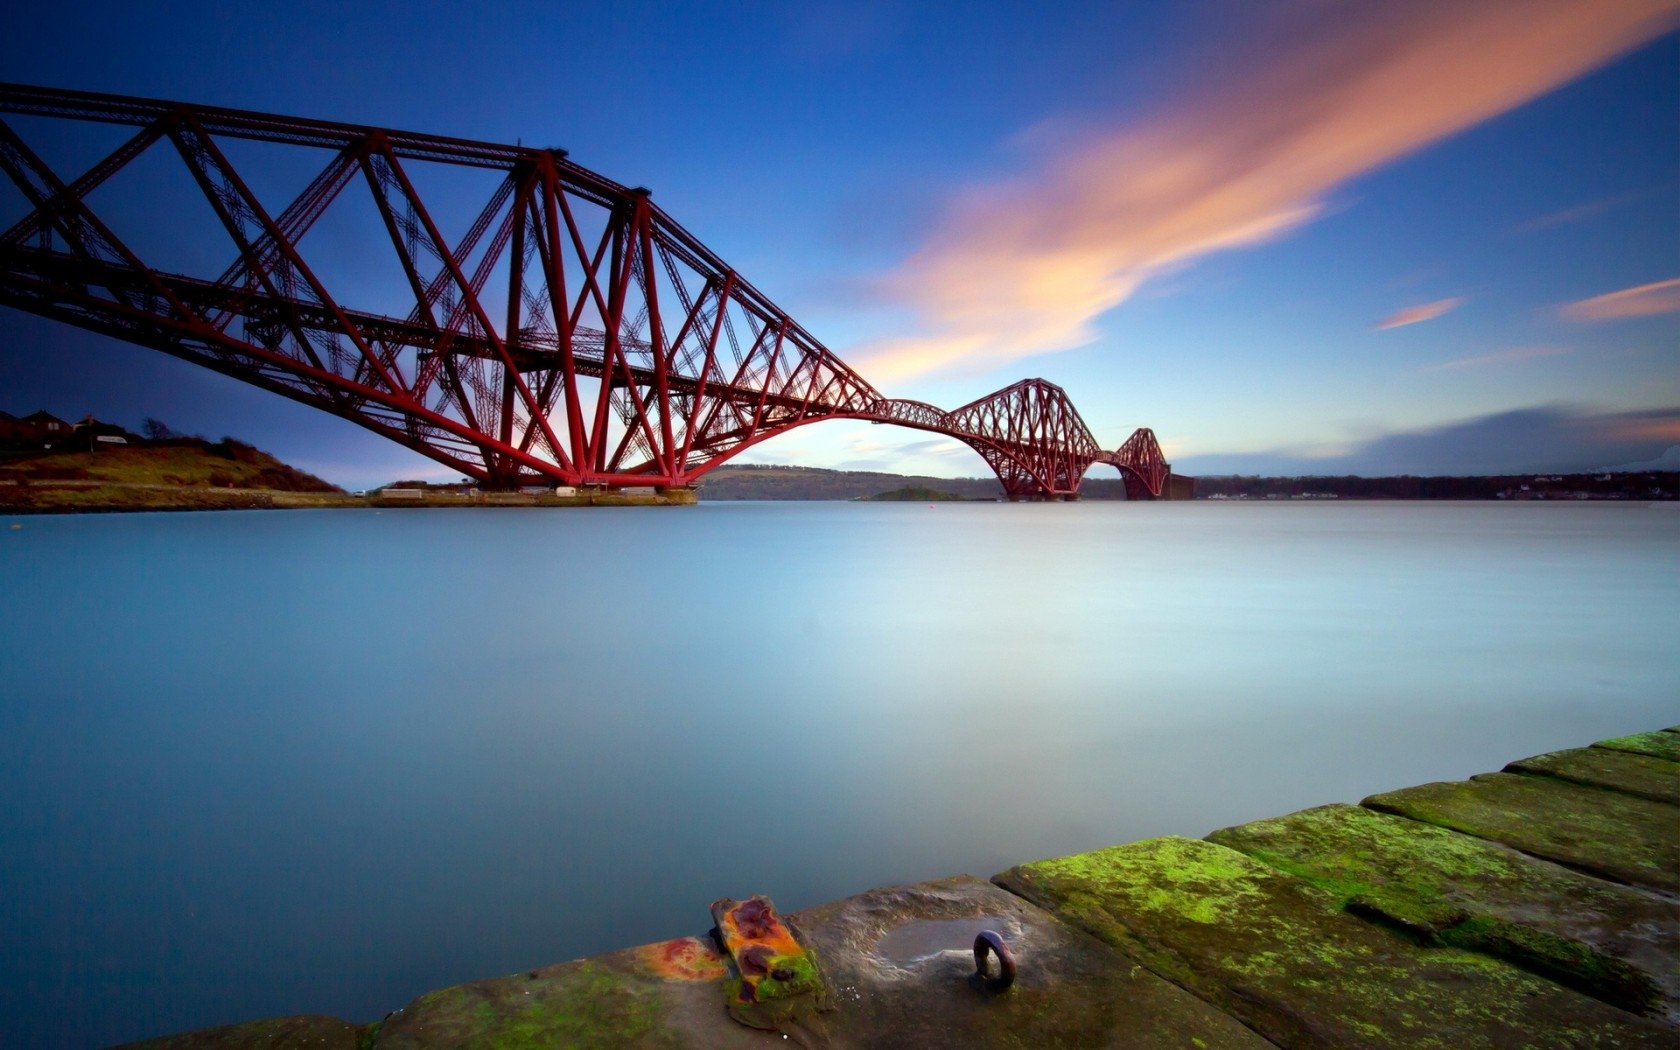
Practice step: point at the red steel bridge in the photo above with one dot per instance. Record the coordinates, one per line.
(574, 334)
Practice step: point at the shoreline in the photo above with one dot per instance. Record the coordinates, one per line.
(202, 499)
(97, 498)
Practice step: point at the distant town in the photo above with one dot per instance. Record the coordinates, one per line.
(1599, 485)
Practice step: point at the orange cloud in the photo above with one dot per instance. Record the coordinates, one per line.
(1646, 300)
(1414, 314)
(1503, 357)
(1025, 267)
(1650, 429)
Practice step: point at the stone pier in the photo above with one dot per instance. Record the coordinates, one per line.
(1534, 907)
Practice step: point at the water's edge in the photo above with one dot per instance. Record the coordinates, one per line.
(1563, 917)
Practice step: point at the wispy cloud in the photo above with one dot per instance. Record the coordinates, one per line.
(1542, 438)
(1025, 267)
(934, 447)
(1646, 300)
(1415, 314)
(1580, 212)
(1503, 357)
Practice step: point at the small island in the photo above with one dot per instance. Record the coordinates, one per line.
(915, 494)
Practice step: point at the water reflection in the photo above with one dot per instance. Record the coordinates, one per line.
(324, 761)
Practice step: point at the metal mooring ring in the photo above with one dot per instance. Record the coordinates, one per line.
(988, 941)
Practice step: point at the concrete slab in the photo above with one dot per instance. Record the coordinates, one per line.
(1606, 833)
(1281, 955)
(1663, 743)
(1613, 942)
(663, 995)
(1632, 772)
(896, 962)
(274, 1033)
(900, 962)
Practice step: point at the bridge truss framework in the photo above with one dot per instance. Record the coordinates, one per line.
(573, 334)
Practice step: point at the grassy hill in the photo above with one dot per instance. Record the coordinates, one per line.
(178, 474)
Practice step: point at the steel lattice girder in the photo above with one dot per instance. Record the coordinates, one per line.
(574, 332)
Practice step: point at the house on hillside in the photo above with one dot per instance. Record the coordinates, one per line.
(42, 430)
(91, 435)
(48, 423)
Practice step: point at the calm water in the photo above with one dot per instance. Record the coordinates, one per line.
(260, 763)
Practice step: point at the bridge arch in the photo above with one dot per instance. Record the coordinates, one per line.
(573, 332)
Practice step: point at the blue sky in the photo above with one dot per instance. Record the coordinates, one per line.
(1193, 216)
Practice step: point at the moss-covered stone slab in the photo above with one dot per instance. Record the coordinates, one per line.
(896, 961)
(1613, 942)
(1282, 955)
(1661, 744)
(1639, 774)
(1618, 836)
(309, 1031)
(660, 995)
(900, 968)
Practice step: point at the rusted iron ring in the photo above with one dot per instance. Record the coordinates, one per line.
(988, 941)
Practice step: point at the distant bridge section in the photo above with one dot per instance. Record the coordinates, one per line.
(571, 331)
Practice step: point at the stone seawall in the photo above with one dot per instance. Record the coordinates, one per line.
(1534, 907)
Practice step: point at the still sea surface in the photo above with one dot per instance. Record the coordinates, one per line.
(324, 761)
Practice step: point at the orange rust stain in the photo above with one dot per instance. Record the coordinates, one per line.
(684, 959)
(752, 922)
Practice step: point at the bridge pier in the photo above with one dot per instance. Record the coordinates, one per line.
(1178, 487)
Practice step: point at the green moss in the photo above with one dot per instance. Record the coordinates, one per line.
(294, 1031)
(583, 1006)
(593, 1007)
(1625, 837)
(803, 977)
(1660, 744)
(1636, 774)
(1387, 868)
(1176, 876)
(1279, 953)
(367, 1035)
(1445, 888)
(1568, 962)
(775, 1004)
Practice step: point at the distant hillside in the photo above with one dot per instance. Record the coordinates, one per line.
(1633, 485)
(177, 473)
(811, 483)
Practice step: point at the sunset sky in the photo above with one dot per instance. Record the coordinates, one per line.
(1305, 237)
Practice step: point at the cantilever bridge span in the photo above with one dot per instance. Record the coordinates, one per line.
(573, 333)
